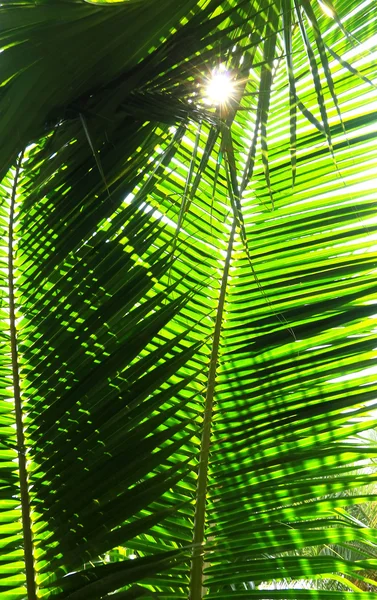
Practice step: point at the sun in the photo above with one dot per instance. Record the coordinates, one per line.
(219, 87)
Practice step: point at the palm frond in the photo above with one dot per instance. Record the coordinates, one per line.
(195, 291)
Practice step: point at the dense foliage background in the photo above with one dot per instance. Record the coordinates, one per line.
(188, 321)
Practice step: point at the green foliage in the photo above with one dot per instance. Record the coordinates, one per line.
(176, 264)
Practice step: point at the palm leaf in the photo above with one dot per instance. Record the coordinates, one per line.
(188, 339)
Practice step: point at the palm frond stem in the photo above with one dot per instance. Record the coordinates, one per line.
(23, 474)
(196, 579)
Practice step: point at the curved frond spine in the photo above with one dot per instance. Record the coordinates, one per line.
(24, 486)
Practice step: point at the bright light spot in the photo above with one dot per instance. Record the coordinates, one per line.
(132, 556)
(326, 9)
(220, 86)
(363, 373)
(318, 347)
